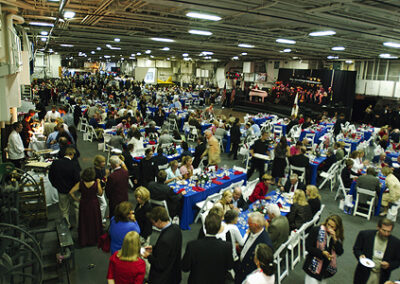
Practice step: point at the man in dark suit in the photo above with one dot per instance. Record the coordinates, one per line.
(278, 228)
(301, 161)
(329, 161)
(257, 235)
(160, 191)
(293, 183)
(380, 246)
(165, 256)
(235, 138)
(208, 259)
(237, 199)
(63, 175)
(117, 184)
(199, 150)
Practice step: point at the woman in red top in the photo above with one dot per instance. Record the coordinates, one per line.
(261, 189)
(126, 266)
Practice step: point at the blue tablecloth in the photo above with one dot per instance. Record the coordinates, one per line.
(204, 127)
(243, 216)
(354, 143)
(170, 158)
(318, 134)
(314, 168)
(190, 199)
(353, 192)
(283, 128)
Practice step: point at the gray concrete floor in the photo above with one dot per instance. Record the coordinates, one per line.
(92, 257)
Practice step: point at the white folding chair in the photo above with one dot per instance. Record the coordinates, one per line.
(278, 130)
(329, 176)
(341, 188)
(370, 202)
(236, 184)
(293, 246)
(281, 254)
(161, 203)
(248, 190)
(192, 136)
(83, 124)
(107, 138)
(236, 168)
(300, 171)
(172, 124)
(304, 235)
(207, 204)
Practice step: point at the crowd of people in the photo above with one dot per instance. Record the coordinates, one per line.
(220, 253)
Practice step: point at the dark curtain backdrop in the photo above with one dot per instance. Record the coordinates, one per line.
(344, 82)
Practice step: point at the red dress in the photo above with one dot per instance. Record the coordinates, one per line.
(126, 272)
(90, 227)
(259, 192)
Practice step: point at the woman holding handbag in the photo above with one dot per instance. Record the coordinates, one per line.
(323, 245)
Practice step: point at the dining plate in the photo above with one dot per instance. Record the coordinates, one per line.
(182, 182)
(367, 262)
(285, 209)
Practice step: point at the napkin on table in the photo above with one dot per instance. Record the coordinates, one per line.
(237, 172)
(216, 182)
(198, 188)
(181, 190)
(226, 178)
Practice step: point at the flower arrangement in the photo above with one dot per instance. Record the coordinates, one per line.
(260, 206)
(171, 150)
(203, 178)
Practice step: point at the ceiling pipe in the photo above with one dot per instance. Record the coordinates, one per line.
(63, 3)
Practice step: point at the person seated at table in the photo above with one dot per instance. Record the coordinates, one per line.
(339, 150)
(173, 173)
(266, 268)
(194, 122)
(296, 149)
(177, 138)
(186, 169)
(314, 199)
(137, 141)
(233, 234)
(393, 185)
(249, 131)
(185, 148)
(278, 226)
(347, 173)
(261, 189)
(255, 128)
(238, 200)
(293, 183)
(165, 138)
(218, 210)
(110, 121)
(161, 191)
(94, 121)
(151, 129)
(147, 168)
(329, 161)
(118, 141)
(300, 212)
(301, 161)
(368, 181)
(293, 121)
(159, 116)
(214, 126)
(357, 165)
(226, 201)
(160, 160)
(51, 141)
(381, 161)
(384, 142)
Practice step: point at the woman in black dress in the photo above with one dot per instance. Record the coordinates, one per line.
(143, 206)
(90, 228)
(99, 164)
(314, 199)
(279, 164)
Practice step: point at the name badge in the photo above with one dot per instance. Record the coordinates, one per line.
(379, 254)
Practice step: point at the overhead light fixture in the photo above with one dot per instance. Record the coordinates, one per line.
(41, 24)
(287, 50)
(187, 58)
(151, 56)
(117, 39)
(148, 51)
(162, 39)
(199, 32)
(391, 44)
(165, 48)
(185, 54)
(286, 41)
(244, 53)
(168, 58)
(332, 57)
(203, 16)
(246, 45)
(322, 33)
(43, 39)
(44, 33)
(338, 48)
(107, 56)
(98, 48)
(51, 50)
(206, 53)
(53, 0)
(349, 61)
(92, 52)
(235, 57)
(295, 57)
(387, 56)
(138, 53)
(133, 54)
(207, 57)
(69, 14)
(66, 45)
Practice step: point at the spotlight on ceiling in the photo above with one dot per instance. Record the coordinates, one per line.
(286, 41)
(69, 14)
(185, 54)
(387, 56)
(165, 48)
(148, 51)
(44, 33)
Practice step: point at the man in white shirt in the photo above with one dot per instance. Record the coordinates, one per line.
(52, 115)
(15, 145)
(257, 235)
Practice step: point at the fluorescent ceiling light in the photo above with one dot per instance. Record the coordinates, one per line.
(199, 32)
(66, 45)
(151, 56)
(117, 39)
(387, 56)
(187, 58)
(203, 16)
(338, 48)
(41, 24)
(287, 41)
(44, 33)
(349, 61)
(138, 53)
(162, 39)
(133, 54)
(92, 52)
(392, 44)
(69, 14)
(168, 58)
(107, 56)
(98, 48)
(165, 48)
(207, 57)
(43, 39)
(244, 53)
(287, 50)
(185, 54)
(53, 0)
(235, 58)
(132, 57)
(332, 57)
(148, 51)
(295, 57)
(245, 45)
(322, 33)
